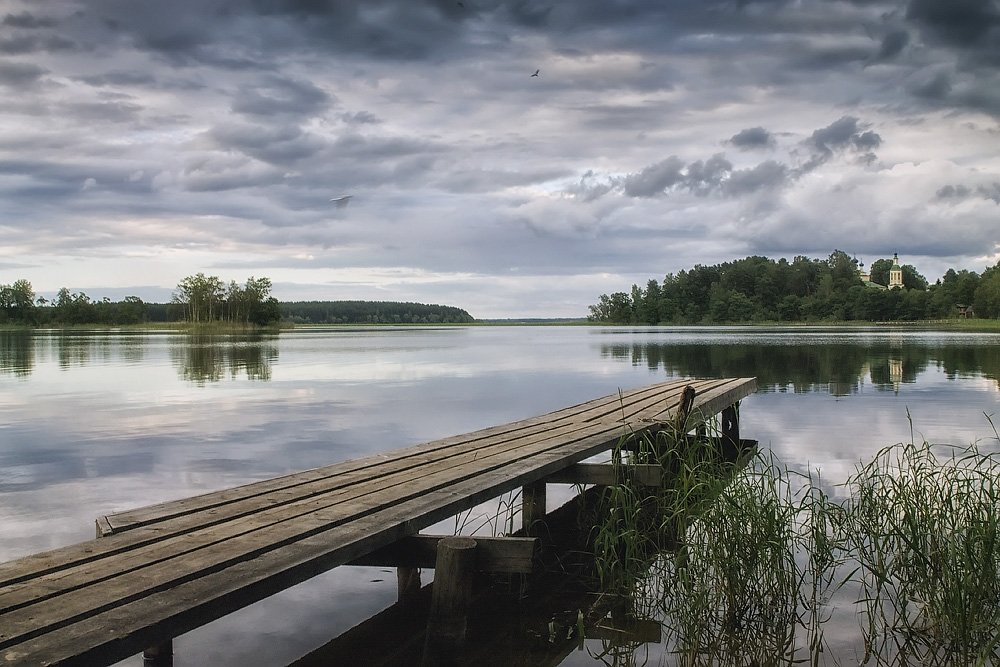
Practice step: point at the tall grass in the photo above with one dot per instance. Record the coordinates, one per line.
(742, 561)
(925, 531)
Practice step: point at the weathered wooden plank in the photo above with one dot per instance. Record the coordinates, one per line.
(160, 565)
(445, 492)
(405, 475)
(588, 410)
(192, 544)
(493, 554)
(635, 400)
(144, 559)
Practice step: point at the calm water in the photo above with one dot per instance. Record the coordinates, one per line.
(97, 422)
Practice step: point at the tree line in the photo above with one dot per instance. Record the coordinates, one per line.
(372, 312)
(202, 299)
(759, 289)
(199, 299)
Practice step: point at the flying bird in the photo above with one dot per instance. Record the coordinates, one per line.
(342, 201)
(536, 72)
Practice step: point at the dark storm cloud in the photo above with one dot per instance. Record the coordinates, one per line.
(840, 135)
(30, 43)
(20, 75)
(953, 192)
(753, 137)
(360, 118)
(892, 44)
(934, 84)
(837, 134)
(267, 143)
(704, 177)
(28, 20)
(654, 179)
(768, 175)
(959, 23)
(120, 78)
(701, 178)
(277, 95)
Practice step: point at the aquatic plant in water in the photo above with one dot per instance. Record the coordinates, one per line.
(742, 560)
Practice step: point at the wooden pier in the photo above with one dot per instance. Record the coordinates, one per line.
(159, 571)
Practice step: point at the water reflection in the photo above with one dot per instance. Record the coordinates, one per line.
(839, 368)
(17, 353)
(210, 358)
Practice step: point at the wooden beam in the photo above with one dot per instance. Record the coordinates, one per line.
(606, 474)
(493, 554)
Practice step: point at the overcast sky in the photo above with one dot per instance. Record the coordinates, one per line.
(142, 142)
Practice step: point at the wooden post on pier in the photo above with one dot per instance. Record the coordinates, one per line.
(450, 599)
(532, 506)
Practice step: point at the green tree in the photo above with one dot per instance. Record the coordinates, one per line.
(17, 302)
(986, 301)
(652, 301)
(132, 310)
(912, 278)
(201, 296)
(879, 272)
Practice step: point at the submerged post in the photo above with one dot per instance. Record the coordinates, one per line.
(450, 600)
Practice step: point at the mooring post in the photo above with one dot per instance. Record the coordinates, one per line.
(159, 656)
(450, 600)
(730, 432)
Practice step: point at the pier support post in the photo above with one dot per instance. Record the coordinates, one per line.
(407, 582)
(159, 656)
(450, 600)
(532, 506)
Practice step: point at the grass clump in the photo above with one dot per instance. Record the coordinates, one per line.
(924, 531)
(743, 560)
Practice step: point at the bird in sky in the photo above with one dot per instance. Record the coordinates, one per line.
(342, 201)
(536, 72)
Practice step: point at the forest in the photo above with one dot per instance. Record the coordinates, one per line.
(198, 299)
(201, 299)
(760, 289)
(371, 312)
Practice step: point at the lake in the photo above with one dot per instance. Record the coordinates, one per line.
(94, 422)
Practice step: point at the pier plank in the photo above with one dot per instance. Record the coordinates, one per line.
(162, 570)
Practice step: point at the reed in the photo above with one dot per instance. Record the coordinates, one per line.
(924, 530)
(742, 560)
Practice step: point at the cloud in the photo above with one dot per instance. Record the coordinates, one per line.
(21, 75)
(215, 133)
(958, 23)
(892, 44)
(275, 95)
(654, 179)
(753, 137)
(27, 20)
(768, 175)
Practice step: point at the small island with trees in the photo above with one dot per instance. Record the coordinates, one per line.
(836, 289)
(206, 301)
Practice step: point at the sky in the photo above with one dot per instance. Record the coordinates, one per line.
(143, 142)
